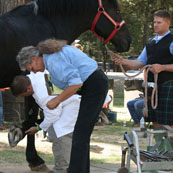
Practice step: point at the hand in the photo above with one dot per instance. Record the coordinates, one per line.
(31, 131)
(156, 68)
(117, 59)
(52, 104)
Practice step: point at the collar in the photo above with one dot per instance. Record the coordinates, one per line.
(158, 38)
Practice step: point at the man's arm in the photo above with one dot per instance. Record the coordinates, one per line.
(129, 64)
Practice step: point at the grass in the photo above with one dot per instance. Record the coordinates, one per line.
(106, 143)
(110, 138)
(8, 156)
(111, 132)
(17, 156)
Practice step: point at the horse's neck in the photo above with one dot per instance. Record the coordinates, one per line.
(71, 24)
(70, 29)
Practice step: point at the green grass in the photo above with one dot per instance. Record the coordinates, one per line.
(110, 137)
(111, 133)
(101, 159)
(12, 156)
(106, 156)
(18, 156)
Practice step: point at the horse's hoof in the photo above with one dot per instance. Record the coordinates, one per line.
(40, 168)
(14, 136)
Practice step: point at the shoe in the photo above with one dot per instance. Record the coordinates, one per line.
(2, 127)
(136, 125)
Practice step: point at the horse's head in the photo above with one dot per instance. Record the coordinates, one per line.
(109, 25)
(70, 18)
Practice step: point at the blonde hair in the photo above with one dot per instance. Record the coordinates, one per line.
(50, 46)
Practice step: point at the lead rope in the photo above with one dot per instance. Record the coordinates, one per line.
(154, 96)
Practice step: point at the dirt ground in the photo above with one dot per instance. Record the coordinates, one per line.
(45, 147)
(101, 149)
(98, 149)
(25, 169)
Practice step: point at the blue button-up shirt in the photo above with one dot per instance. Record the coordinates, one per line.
(69, 66)
(143, 56)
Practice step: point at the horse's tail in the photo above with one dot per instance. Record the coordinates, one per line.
(51, 46)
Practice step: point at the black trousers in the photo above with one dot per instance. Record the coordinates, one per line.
(93, 93)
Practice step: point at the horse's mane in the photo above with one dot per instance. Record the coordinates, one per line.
(50, 8)
(64, 7)
(67, 7)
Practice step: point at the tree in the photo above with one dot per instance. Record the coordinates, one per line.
(6, 5)
(139, 17)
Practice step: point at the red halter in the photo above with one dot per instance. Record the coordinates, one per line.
(116, 24)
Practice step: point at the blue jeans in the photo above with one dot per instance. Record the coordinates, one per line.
(1, 109)
(135, 108)
(93, 93)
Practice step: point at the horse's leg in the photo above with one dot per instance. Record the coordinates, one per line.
(35, 162)
(31, 114)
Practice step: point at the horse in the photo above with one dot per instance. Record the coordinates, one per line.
(60, 19)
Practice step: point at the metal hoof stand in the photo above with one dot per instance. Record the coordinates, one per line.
(152, 160)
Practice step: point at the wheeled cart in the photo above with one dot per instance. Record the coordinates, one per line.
(147, 160)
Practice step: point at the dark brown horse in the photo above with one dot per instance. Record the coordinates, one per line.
(61, 19)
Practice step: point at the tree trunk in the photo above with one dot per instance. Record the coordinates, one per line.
(147, 24)
(6, 5)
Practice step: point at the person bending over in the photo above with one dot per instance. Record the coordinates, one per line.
(59, 122)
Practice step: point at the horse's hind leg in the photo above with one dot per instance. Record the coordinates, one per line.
(36, 163)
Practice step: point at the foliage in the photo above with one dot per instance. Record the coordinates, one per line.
(140, 19)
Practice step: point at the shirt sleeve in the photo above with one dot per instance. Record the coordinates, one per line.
(143, 56)
(63, 71)
(171, 48)
(50, 117)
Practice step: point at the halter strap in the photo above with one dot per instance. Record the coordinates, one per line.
(116, 24)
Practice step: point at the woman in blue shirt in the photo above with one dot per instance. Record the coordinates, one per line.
(71, 70)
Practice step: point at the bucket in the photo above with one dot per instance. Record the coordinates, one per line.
(112, 116)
